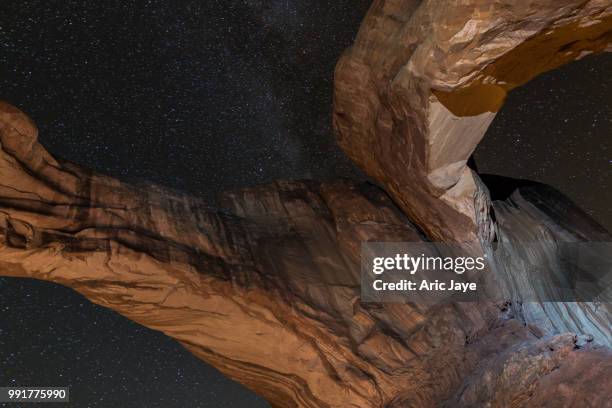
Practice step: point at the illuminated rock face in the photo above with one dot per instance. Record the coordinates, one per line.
(267, 290)
(416, 92)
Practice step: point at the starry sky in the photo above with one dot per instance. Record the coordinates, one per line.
(558, 130)
(205, 96)
(201, 95)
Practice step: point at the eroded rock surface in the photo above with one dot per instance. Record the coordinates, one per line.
(267, 290)
(416, 92)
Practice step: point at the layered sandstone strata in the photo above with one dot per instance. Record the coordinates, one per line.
(416, 92)
(267, 289)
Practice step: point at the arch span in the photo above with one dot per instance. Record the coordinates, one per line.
(417, 91)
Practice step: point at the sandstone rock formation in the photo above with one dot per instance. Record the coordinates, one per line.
(267, 290)
(416, 92)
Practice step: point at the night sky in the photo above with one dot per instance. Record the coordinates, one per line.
(558, 130)
(208, 96)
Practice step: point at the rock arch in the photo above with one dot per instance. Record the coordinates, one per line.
(417, 91)
(268, 292)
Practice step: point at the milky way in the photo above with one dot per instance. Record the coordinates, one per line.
(208, 96)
